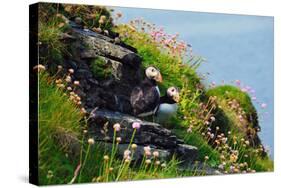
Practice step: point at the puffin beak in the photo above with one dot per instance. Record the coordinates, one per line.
(159, 78)
(176, 97)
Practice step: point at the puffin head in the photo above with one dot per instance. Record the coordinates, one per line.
(153, 73)
(173, 93)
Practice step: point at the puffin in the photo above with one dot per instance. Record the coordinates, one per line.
(145, 97)
(168, 105)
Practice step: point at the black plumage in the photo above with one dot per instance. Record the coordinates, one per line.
(145, 97)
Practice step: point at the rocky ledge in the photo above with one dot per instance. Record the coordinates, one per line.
(149, 134)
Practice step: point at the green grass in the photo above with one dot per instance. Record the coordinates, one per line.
(56, 115)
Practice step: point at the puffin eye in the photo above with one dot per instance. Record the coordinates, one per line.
(152, 70)
(173, 90)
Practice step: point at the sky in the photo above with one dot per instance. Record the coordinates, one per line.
(237, 47)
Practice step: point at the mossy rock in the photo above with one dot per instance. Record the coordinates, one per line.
(100, 68)
(235, 113)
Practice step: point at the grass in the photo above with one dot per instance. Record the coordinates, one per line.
(57, 115)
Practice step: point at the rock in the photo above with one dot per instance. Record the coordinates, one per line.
(101, 128)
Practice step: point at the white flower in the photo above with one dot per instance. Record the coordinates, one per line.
(117, 127)
(91, 141)
(155, 154)
(71, 71)
(127, 154)
(76, 82)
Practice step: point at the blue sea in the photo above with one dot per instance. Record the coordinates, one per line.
(236, 47)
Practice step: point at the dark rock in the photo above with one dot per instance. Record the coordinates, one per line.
(101, 127)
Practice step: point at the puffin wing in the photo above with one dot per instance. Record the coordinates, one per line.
(144, 103)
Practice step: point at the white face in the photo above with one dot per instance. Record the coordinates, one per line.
(173, 92)
(153, 74)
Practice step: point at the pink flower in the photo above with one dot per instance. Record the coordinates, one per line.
(117, 127)
(238, 82)
(263, 105)
(136, 125)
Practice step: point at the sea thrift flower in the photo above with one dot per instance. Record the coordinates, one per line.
(118, 139)
(117, 127)
(157, 163)
(71, 71)
(136, 125)
(206, 158)
(69, 88)
(68, 79)
(39, 67)
(105, 158)
(76, 82)
(134, 146)
(263, 105)
(59, 67)
(163, 165)
(91, 141)
(147, 161)
(127, 154)
(155, 154)
(213, 118)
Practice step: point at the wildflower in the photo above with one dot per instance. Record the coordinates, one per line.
(105, 158)
(247, 142)
(203, 134)
(59, 67)
(83, 110)
(217, 128)
(39, 67)
(206, 158)
(263, 105)
(229, 132)
(189, 130)
(127, 160)
(61, 86)
(163, 165)
(76, 82)
(68, 79)
(58, 81)
(157, 163)
(85, 131)
(212, 135)
(71, 71)
(136, 125)
(127, 154)
(147, 161)
(110, 169)
(134, 146)
(213, 118)
(233, 158)
(155, 154)
(91, 141)
(69, 88)
(118, 140)
(117, 127)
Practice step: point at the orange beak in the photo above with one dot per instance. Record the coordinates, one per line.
(159, 78)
